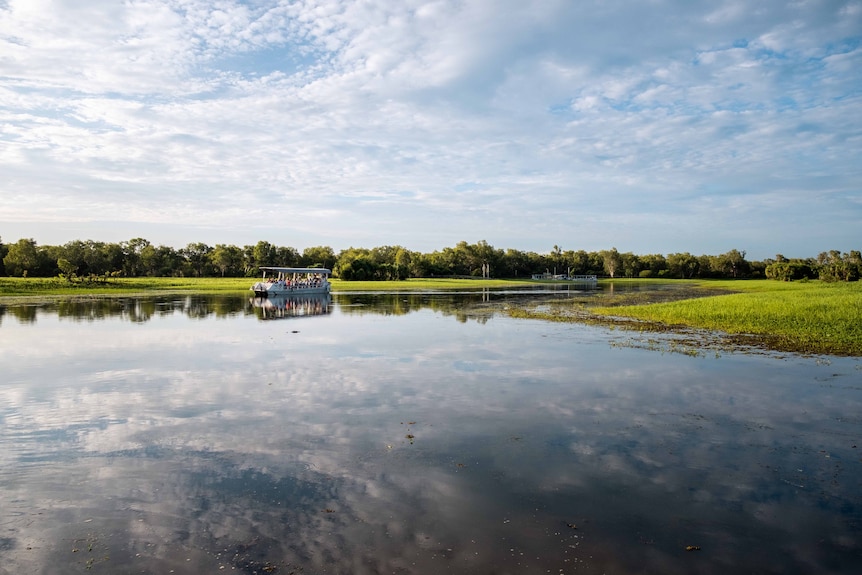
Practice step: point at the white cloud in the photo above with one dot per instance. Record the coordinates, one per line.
(231, 109)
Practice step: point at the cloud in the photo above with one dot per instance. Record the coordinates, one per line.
(218, 114)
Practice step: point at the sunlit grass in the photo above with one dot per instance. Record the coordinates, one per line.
(804, 316)
(431, 284)
(58, 286)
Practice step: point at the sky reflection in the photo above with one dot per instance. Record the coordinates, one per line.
(378, 442)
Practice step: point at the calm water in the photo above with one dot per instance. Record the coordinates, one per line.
(411, 434)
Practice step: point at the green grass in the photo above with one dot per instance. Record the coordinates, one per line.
(813, 317)
(60, 287)
(427, 284)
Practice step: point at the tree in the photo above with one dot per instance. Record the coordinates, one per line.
(683, 265)
(611, 260)
(577, 263)
(67, 268)
(226, 257)
(556, 256)
(150, 262)
(132, 252)
(836, 266)
(196, 254)
(3, 251)
(653, 265)
(265, 254)
(22, 258)
(113, 257)
(318, 257)
(788, 270)
(403, 263)
(631, 264)
(731, 264)
(288, 256)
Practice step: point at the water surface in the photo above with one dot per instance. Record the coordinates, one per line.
(411, 434)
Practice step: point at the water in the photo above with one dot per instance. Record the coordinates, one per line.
(411, 434)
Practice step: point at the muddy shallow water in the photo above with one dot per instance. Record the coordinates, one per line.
(411, 434)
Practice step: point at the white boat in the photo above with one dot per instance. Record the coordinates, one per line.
(280, 282)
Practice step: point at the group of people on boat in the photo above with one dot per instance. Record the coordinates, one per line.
(314, 282)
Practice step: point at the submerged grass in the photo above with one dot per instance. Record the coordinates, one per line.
(808, 317)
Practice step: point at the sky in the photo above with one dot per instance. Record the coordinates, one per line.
(651, 126)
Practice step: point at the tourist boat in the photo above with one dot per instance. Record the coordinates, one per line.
(279, 281)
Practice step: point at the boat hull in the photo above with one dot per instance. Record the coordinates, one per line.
(274, 290)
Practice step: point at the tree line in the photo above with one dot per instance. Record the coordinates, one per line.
(138, 257)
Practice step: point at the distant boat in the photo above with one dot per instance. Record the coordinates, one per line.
(278, 281)
(587, 278)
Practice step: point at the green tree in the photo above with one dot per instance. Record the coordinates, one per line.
(226, 258)
(22, 258)
(67, 268)
(655, 264)
(683, 265)
(631, 265)
(788, 270)
(514, 263)
(132, 255)
(197, 256)
(577, 262)
(265, 254)
(3, 251)
(611, 260)
(318, 257)
(731, 264)
(837, 266)
(289, 257)
(150, 261)
(113, 256)
(403, 263)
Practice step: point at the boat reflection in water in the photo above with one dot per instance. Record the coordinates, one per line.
(300, 305)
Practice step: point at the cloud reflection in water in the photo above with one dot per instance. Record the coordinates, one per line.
(190, 445)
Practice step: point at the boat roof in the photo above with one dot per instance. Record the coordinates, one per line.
(296, 270)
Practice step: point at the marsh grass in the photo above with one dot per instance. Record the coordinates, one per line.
(62, 287)
(810, 317)
(428, 284)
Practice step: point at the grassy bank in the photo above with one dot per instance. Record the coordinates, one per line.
(812, 317)
(427, 284)
(118, 286)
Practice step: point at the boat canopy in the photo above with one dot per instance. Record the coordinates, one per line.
(280, 270)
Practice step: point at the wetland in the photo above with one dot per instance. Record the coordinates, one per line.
(415, 433)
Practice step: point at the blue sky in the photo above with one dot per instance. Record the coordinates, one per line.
(653, 126)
